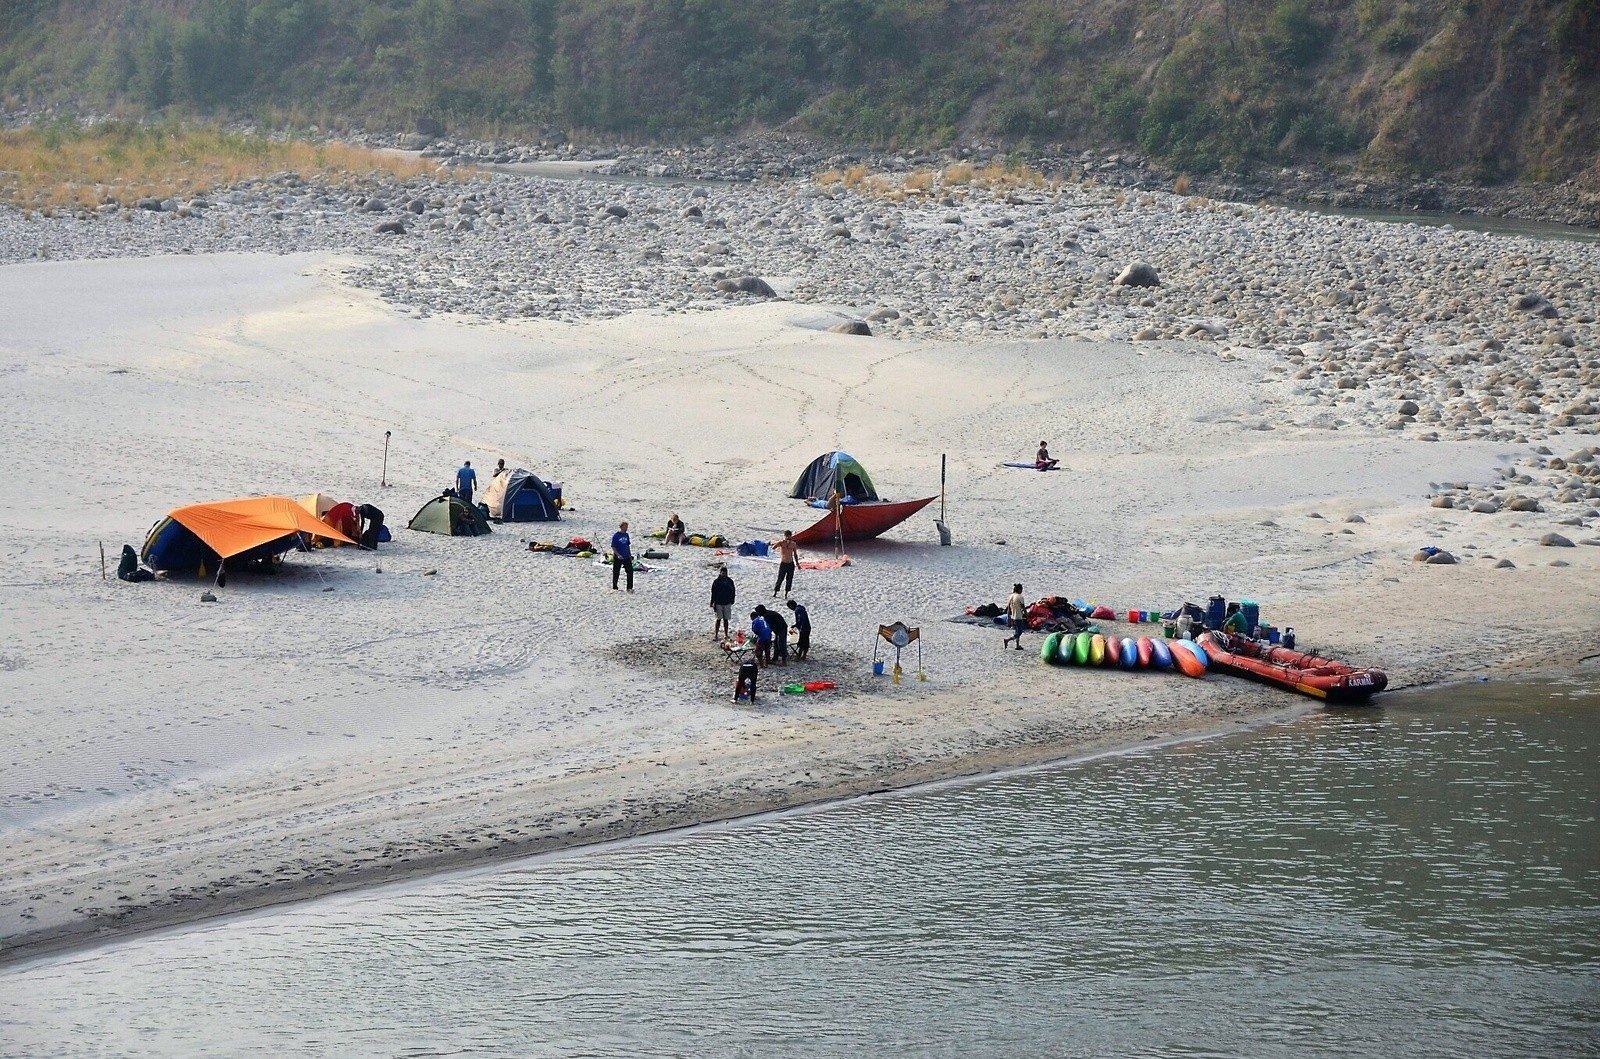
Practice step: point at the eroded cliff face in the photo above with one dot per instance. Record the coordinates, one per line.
(1485, 90)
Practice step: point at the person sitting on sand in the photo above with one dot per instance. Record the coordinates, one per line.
(1043, 461)
(1234, 622)
(674, 529)
(763, 634)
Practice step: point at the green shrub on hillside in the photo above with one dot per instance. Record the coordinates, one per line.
(1213, 85)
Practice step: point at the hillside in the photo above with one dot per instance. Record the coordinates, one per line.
(1485, 90)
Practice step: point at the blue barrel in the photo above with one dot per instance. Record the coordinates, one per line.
(1216, 612)
(1252, 613)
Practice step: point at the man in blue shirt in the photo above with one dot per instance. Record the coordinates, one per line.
(763, 634)
(466, 481)
(621, 555)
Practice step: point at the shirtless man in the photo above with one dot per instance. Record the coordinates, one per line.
(788, 559)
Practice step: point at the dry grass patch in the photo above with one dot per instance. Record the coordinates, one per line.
(62, 166)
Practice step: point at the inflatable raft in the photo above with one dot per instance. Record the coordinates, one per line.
(1322, 678)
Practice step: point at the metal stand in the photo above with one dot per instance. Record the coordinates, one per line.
(898, 636)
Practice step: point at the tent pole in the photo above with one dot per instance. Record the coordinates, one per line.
(942, 458)
(383, 479)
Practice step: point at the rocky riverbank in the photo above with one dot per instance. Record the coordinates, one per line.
(1430, 332)
(781, 157)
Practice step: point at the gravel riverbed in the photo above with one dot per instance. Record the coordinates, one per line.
(1432, 332)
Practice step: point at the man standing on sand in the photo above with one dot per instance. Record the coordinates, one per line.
(1017, 611)
(802, 625)
(788, 557)
(763, 634)
(621, 555)
(780, 635)
(722, 596)
(466, 481)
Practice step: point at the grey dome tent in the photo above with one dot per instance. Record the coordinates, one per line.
(520, 496)
(451, 516)
(830, 471)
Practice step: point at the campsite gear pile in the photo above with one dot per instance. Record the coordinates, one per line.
(579, 547)
(1049, 614)
(699, 540)
(129, 569)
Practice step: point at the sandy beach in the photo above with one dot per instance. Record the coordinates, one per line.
(445, 701)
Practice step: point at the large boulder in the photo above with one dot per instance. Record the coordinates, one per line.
(747, 285)
(852, 327)
(1555, 540)
(391, 228)
(1537, 305)
(1138, 274)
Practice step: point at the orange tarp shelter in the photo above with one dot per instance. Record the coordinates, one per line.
(229, 527)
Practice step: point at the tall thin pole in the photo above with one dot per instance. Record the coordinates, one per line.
(941, 486)
(384, 478)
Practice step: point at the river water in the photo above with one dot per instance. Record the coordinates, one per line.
(1418, 880)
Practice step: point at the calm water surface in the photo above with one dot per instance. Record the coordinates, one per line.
(1419, 880)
